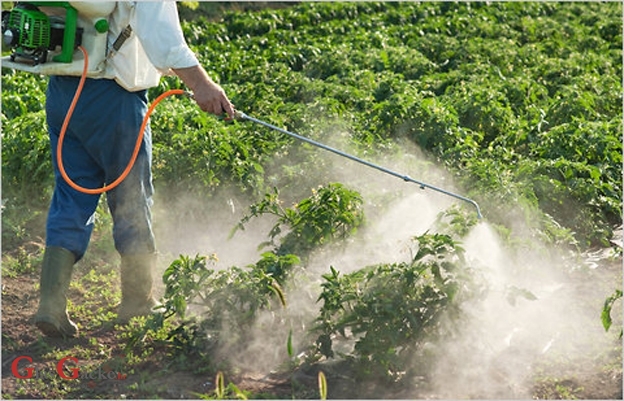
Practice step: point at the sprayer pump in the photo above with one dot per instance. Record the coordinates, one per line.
(31, 33)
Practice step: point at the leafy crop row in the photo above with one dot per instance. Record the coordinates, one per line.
(377, 319)
(523, 99)
(532, 90)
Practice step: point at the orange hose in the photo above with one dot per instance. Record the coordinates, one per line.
(124, 174)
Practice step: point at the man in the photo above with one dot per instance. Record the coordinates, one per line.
(98, 143)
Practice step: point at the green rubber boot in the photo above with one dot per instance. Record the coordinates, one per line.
(52, 318)
(136, 286)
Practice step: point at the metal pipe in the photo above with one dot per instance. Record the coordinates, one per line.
(242, 116)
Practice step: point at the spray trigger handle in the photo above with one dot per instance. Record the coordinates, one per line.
(223, 117)
(226, 117)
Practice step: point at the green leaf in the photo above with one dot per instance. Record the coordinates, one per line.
(605, 316)
(289, 344)
(513, 293)
(322, 383)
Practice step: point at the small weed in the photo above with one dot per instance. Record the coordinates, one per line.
(223, 392)
(549, 388)
(21, 262)
(99, 294)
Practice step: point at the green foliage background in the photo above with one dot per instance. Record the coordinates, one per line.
(521, 101)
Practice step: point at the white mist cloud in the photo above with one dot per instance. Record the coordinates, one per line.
(510, 339)
(507, 336)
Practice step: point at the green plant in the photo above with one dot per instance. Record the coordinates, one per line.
(605, 315)
(332, 213)
(223, 392)
(553, 388)
(455, 221)
(207, 302)
(27, 178)
(205, 309)
(23, 262)
(390, 311)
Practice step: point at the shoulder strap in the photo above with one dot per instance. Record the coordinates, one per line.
(124, 34)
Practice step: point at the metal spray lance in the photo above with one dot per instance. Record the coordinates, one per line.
(242, 116)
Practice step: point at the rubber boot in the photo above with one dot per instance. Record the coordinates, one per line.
(136, 286)
(52, 318)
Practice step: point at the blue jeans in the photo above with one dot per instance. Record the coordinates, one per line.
(97, 147)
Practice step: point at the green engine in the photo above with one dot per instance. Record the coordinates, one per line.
(32, 33)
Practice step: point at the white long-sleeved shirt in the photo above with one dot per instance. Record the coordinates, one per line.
(155, 46)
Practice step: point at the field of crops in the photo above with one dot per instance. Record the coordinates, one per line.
(517, 105)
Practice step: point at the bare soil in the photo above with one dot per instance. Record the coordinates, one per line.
(155, 375)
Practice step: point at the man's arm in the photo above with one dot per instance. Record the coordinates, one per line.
(167, 50)
(209, 95)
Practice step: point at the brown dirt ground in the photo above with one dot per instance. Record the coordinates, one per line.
(153, 378)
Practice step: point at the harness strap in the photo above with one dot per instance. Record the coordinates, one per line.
(123, 36)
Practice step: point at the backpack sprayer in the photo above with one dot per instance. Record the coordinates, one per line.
(31, 33)
(67, 38)
(44, 36)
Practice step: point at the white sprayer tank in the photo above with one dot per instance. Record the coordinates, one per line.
(94, 9)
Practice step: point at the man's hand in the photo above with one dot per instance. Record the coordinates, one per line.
(208, 95)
